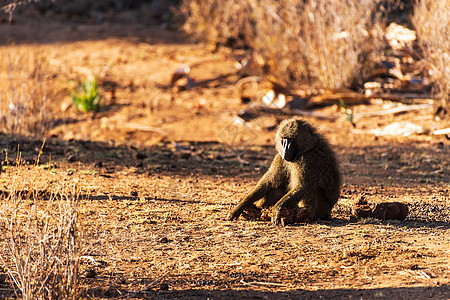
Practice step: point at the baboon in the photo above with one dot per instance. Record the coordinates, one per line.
(304, 175)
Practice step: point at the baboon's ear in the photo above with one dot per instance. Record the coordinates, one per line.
(308, 141)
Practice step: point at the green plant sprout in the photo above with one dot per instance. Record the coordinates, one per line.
(348, 112)
(86, 98)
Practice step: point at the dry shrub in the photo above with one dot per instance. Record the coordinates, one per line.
(432, 22)
(10, 6)
(323, 43)
(24, 103)
(39, 247)
(228, 22)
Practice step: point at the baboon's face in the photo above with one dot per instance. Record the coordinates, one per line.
(293, 137)
(288, 149)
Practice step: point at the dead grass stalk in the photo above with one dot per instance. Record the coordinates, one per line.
(24, 103)
(432, 22)
(40, 243)
(324, 43)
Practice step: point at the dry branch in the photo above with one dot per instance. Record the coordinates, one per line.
(262, 283)
(442, 131)
(256, 111)
(331, 97)
(392, 111)
(403, 97)
(133, 126)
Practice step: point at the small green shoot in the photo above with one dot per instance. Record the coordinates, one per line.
(348, 111)
(48, 166)
(89, 172)
(86, 98)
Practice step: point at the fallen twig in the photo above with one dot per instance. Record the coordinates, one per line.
(331, 97)
(262, 283)
(257, 110)
(392, 111)
(143, 128)
(246, 80)
(403, 97)
(442, 131)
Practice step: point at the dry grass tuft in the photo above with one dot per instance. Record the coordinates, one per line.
(432, 22)
(24, 103)
(39, 246)
(324, 43)
(10, 6)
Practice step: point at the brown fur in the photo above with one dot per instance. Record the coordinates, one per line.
(311, 181)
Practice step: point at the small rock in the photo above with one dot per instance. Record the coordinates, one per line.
(164, 240)
(98, 164)
(141, 155)
(185, 155)
(251, 213)
(134, 193)
(90, 273)
(122, 280)
(65, 106)
(29, 162)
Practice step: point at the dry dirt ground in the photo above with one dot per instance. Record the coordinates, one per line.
(158, 171)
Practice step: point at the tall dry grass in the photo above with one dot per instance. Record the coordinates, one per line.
(431, 20)
(24, 97)
(324, 43)
(39, 242)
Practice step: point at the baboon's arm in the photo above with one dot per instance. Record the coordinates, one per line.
(292, 196)
(267, 182)
(257, 193)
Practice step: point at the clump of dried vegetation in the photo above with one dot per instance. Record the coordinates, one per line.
(324, 43)
(39, 242)
(10, 6)
(24, 103)
(432, 22)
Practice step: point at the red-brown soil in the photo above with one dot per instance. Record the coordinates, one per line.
(159, 169)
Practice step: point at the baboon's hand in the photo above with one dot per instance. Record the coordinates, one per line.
(276, 216)
(233, 214)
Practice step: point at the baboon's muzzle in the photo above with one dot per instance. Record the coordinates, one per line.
(288, 149)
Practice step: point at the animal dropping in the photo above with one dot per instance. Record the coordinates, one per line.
(362, 209)
(303, 182)
(391, 211)
(382, 211)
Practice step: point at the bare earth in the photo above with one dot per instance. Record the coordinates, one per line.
(153, 211)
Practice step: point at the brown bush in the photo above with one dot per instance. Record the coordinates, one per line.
(229, 22)
(39, 243)
(10, 6)
(323, 43)
(432, 22)
(24, 103)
